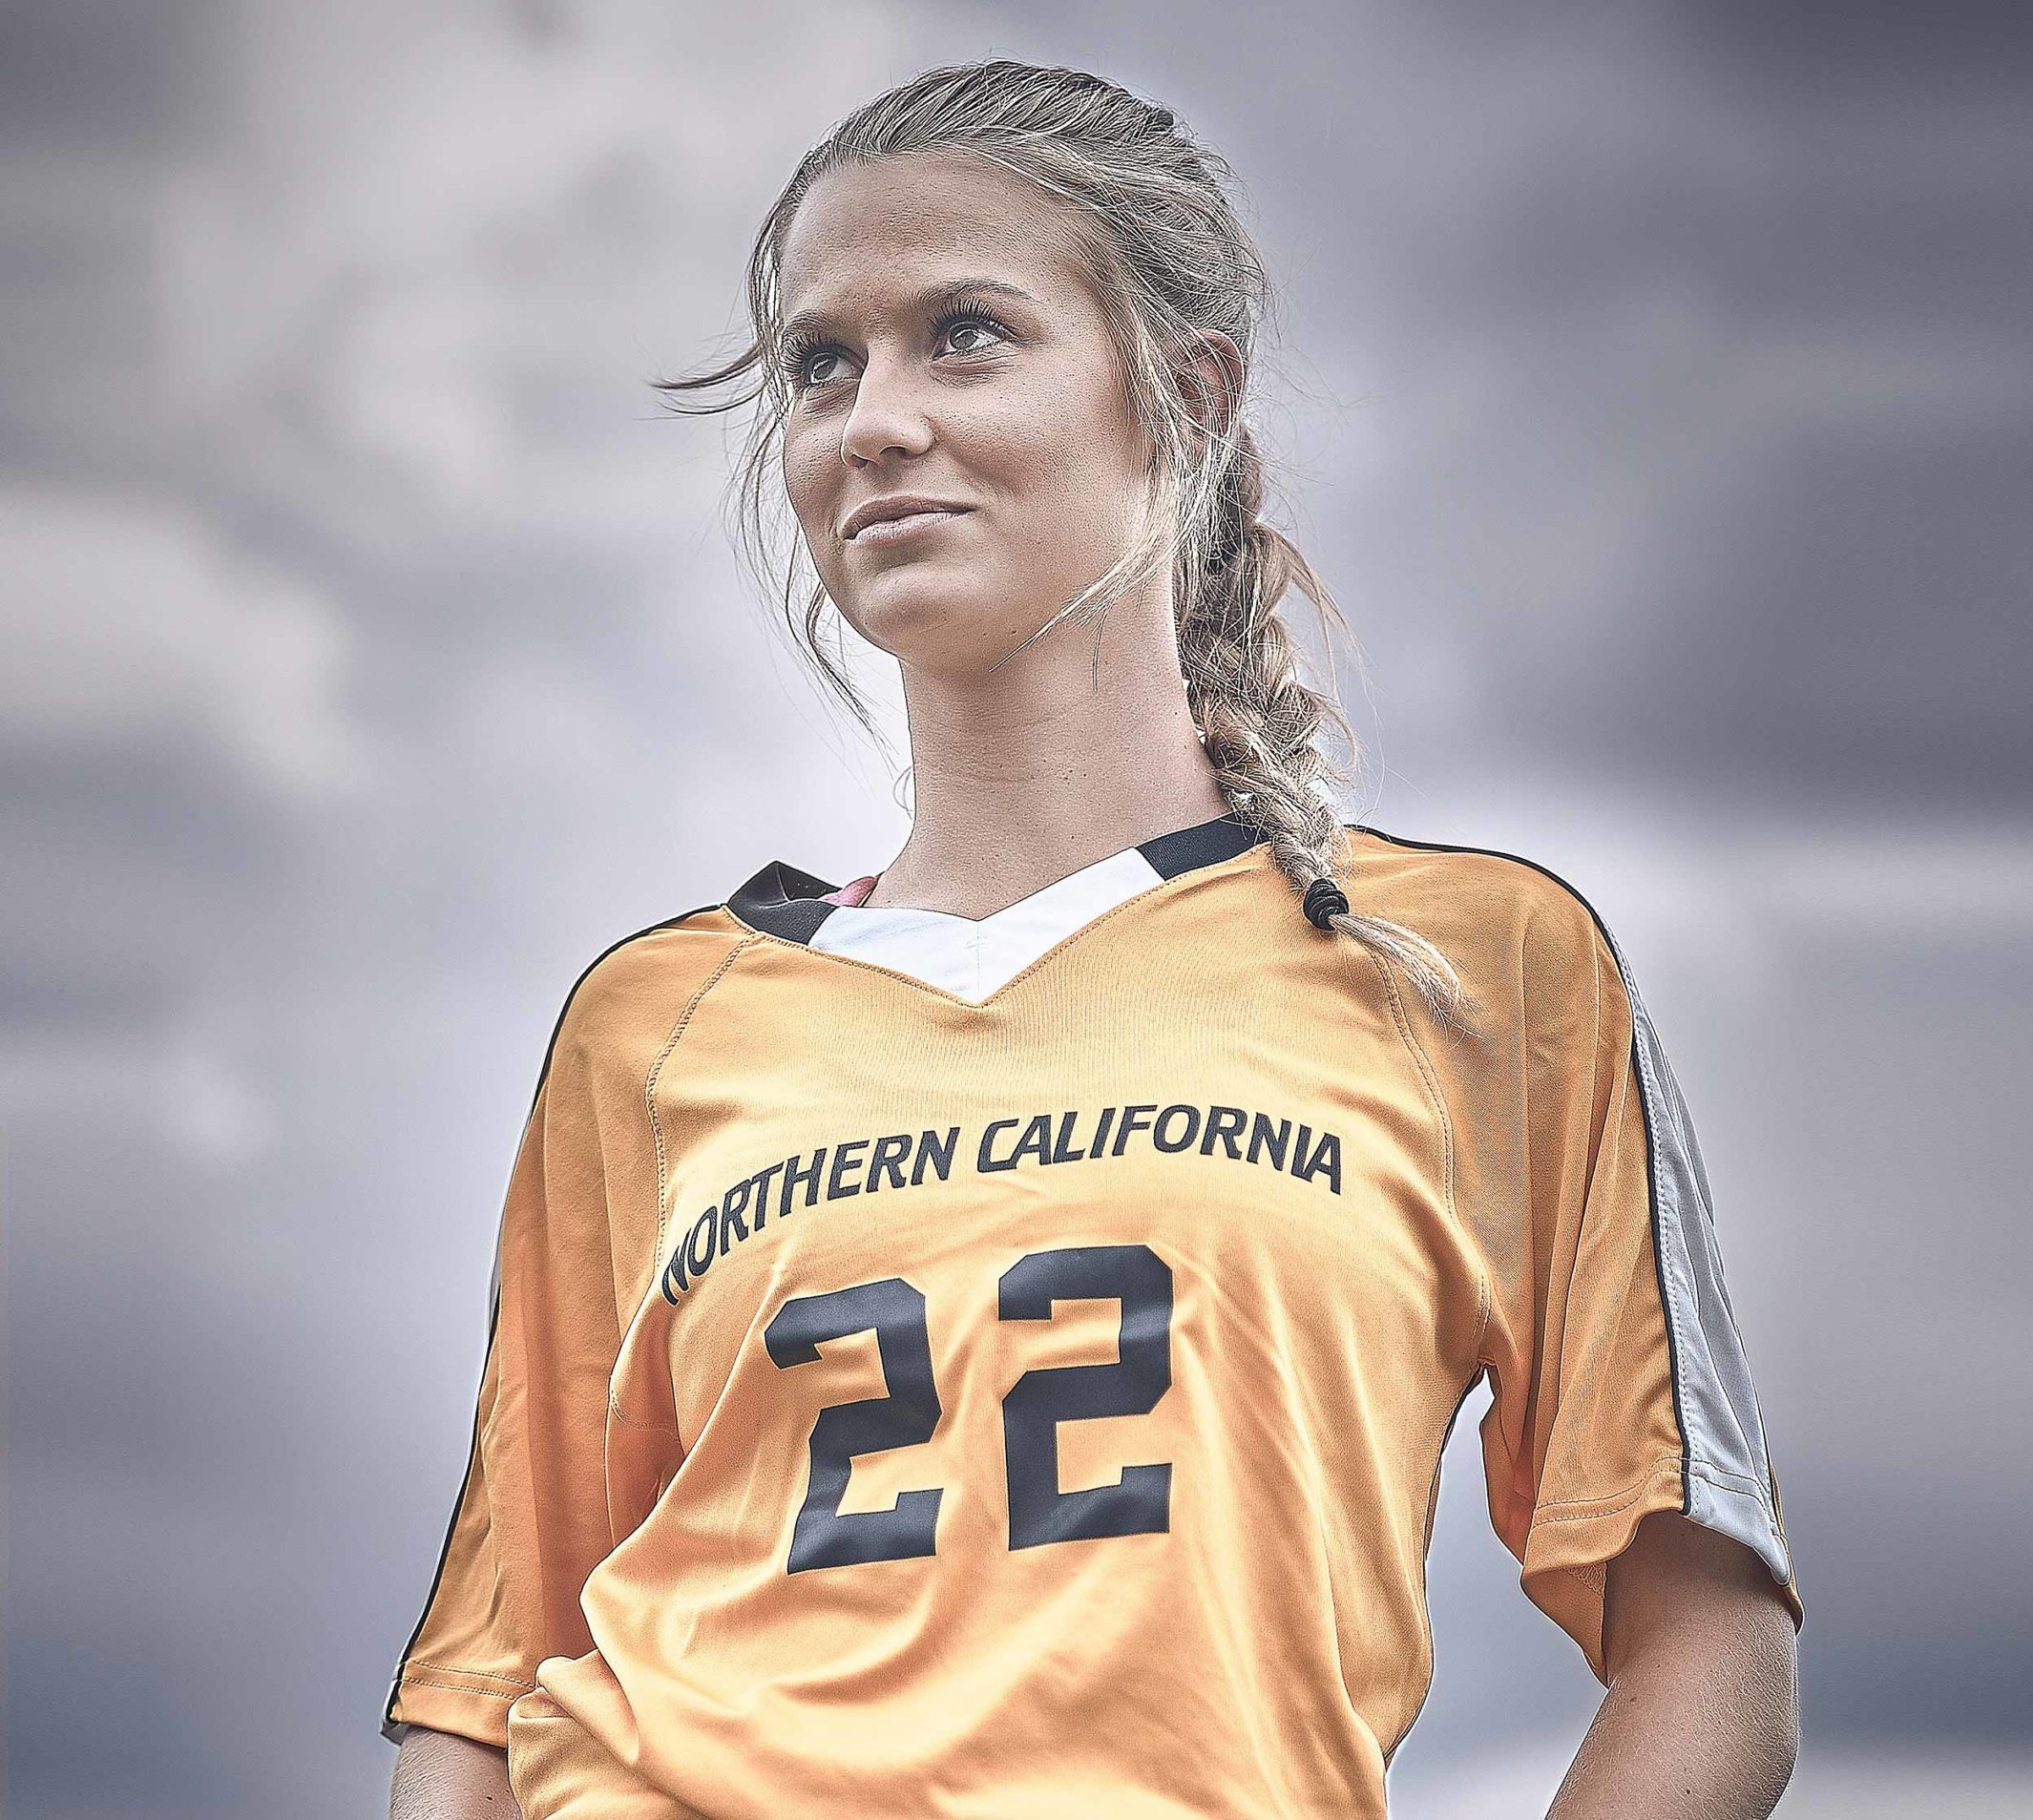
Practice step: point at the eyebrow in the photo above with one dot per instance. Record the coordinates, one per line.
(811, 321)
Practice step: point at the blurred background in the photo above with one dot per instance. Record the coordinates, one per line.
(1655, 388)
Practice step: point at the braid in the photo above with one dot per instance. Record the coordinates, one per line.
(1260, 721)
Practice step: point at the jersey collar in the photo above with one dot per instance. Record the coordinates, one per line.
(784, 901)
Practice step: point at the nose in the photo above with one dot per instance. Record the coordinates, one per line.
(887, 419)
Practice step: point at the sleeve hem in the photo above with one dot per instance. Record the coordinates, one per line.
(1574, 1510)
(1569, 1547)
(466, 1702)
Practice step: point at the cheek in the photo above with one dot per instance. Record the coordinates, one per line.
(1071, 419)
(1064, 446)
(808, 480)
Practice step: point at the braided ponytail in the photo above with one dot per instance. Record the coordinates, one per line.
(1260, 721)
(1170, 262)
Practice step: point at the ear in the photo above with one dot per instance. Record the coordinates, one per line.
(1210, 382)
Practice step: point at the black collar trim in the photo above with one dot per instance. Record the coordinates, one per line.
(781, 900)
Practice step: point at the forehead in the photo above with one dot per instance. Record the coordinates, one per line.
(895, 225)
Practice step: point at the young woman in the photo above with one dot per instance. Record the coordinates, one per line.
(980, 1342)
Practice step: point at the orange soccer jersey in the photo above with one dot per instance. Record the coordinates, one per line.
(1001, 1369)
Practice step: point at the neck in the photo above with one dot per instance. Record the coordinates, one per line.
(1049, 764)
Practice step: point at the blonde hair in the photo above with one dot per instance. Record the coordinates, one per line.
(1167, 260)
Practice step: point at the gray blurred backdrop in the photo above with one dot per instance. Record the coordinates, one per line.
(1654, 387)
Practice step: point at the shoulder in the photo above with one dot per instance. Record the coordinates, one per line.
(1532, 948)
(1550, 1012)
(1482, 899)
(625, 1001)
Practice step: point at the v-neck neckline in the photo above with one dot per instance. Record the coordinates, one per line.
(785, 902)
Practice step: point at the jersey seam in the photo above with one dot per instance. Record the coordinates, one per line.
(1723, 1478)
(1483, 1297)
(1525, 1093)
(1567, 1510)
(1561, 1376)
(662, 1155)
(478, 1674)
(620, 1414)
(452, 1687)
(656, 1072)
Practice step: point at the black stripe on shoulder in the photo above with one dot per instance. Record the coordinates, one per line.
(1651, 1137)
(1487, 852)
(391, 1728)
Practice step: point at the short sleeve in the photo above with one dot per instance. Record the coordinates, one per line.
(1621, 1383)
(531, 1520)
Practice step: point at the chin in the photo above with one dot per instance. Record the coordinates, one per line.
(936, 623)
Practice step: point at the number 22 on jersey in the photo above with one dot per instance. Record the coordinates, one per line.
(893, 1310)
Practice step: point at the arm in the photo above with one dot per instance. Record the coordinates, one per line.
(440, 1775)
(1701, 1717)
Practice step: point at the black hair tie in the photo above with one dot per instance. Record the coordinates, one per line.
(1325, 900)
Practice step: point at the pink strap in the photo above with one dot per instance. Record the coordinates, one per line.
(853, 894)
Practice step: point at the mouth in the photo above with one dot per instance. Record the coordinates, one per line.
(887, 531)
(887, 521)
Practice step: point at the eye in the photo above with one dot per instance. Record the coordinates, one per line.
(967, 317)
(803, 360)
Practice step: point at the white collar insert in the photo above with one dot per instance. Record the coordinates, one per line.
(971, 959)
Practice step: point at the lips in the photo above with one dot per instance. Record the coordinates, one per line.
(878, 511)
